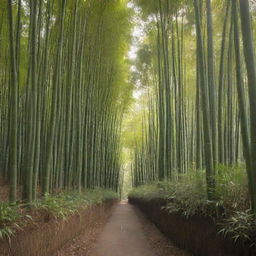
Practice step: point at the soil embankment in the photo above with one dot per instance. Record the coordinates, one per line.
(47, 235)
(197, 234)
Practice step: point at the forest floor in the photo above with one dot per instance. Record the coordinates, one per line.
(5, 188)
(126, 233)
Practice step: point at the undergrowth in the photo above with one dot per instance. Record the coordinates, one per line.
(241, 226)
(59, 206)
(68, 203)
(157, 190)
(9, 215)
(186, 195)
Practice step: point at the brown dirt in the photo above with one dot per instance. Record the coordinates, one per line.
(126, 233)
(83, 244)
(46, 235)
(4, 190)
(161, 245)
(197, 234)
(129, 233)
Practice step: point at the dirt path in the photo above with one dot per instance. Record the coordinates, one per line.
(123, 235)
(128, 233)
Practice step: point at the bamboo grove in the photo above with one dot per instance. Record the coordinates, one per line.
(63, 89)
(199, 61)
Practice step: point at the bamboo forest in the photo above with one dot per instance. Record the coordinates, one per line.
(127, 127)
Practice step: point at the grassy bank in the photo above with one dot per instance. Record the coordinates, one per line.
(16, 216)
(186, 195)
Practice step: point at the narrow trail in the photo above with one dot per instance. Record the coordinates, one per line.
(123, 235)
(128, 233)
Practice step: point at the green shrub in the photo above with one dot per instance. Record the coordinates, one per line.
(241, 226)
(9, 216)
(187, 195)
(232, 188)
(158, 190)
(68, 203)
(59, 206)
